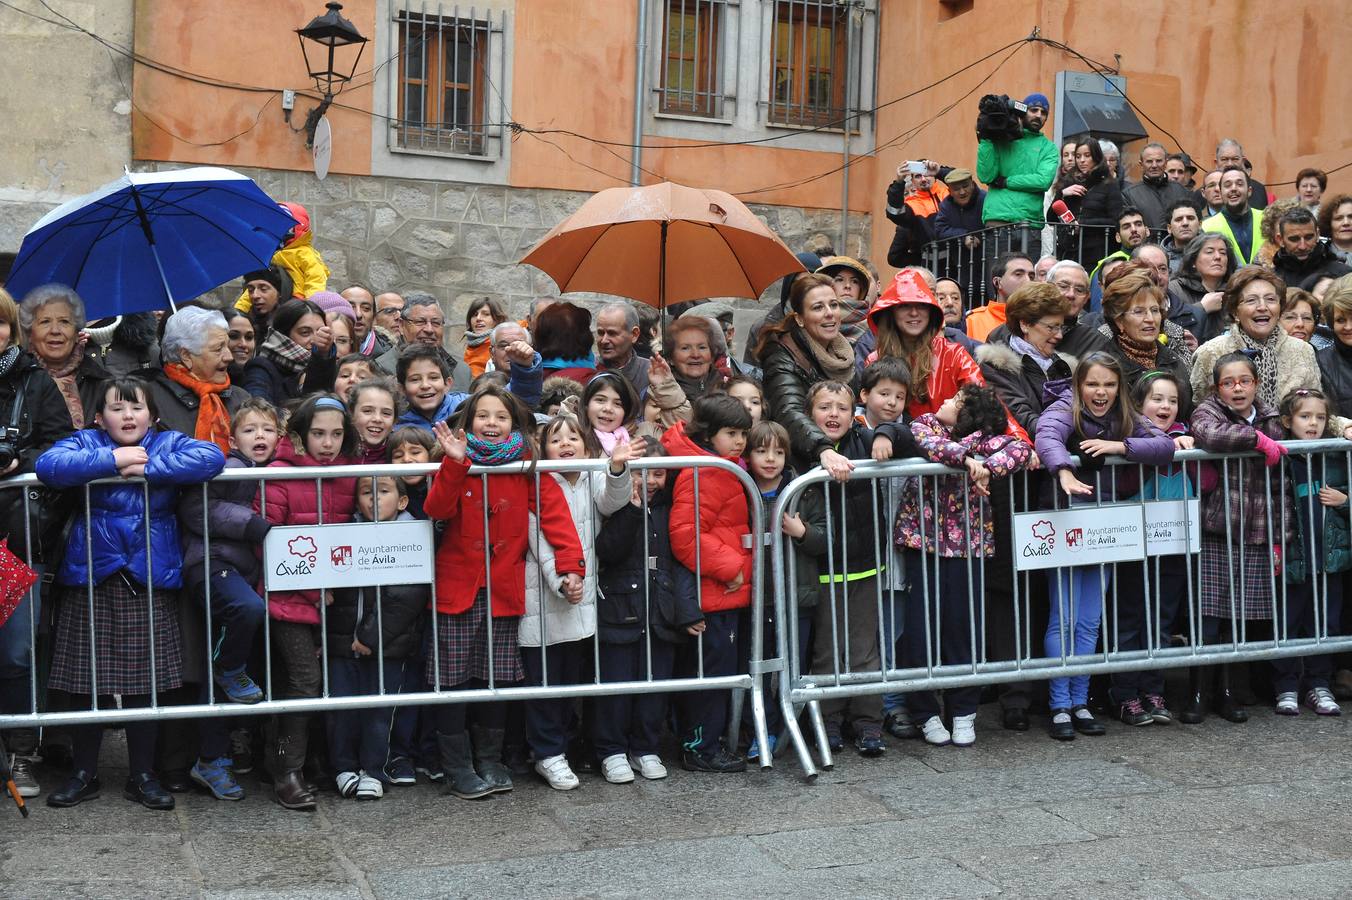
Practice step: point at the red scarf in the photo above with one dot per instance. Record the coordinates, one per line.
(213, 420)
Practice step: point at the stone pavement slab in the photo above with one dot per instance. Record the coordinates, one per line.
(1217, 810)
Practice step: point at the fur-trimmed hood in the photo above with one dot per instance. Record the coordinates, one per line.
(1004, 357)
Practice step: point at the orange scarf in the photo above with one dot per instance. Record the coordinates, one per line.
(213, 421)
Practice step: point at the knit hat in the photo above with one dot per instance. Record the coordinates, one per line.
(331, 302)
(1039, 100)
(271, 275)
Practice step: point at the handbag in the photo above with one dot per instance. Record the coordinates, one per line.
(49, 510)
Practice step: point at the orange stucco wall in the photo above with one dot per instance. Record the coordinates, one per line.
(1263, 73)
(248, 42)
(573, 68)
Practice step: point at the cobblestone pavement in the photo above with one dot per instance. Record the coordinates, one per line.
(1216, 810)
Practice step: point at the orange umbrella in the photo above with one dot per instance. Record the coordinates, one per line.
(664, 243)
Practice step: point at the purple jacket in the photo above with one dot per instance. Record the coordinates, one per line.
(237, 531)
(1057, 440)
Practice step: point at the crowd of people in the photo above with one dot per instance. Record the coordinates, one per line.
(1122, 348)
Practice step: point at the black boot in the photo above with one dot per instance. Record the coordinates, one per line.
(286, 758)
(1227, 707)
(488, 758)
(461, 779)
(1194, 711)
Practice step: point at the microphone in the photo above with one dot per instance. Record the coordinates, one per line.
(1061, 211)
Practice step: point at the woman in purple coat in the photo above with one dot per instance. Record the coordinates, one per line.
(1092, 417)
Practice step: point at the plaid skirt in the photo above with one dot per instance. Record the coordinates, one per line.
(122, 636)
(1248, 585)
(462, 648)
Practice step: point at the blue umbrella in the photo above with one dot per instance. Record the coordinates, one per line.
(152, 238)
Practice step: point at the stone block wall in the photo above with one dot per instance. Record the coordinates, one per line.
(460, 241)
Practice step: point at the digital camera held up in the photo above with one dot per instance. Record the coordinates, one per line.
(1000, 119)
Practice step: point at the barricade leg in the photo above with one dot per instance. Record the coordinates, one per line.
(814, 711)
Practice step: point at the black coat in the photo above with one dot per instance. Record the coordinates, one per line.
(1335, 372)
(851, 508)
(262, 378)
(237, 531)
(1098, 208)
(401, 621)
(44, 420)
(1018, 379)
(789, 371)
(1154, 200)
(912, 233)
(89, 377)
(1320, 262)
(1185, 308)
(622, 606)
(178, 405)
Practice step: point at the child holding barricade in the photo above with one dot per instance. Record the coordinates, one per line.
(557, 628)
(646, 606)
(236, 531)
(883, 391)
(1091, 417)
(609, 403)
(475, 642)
(1239, 551)
(1154, 595)
(805, 529)
(709, 538)
(946, 525)
(1315, 563)
(131, 600)
(855, 565)
(319, 433)
(369, 630)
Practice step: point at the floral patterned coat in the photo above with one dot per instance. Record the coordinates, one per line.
(946, 498)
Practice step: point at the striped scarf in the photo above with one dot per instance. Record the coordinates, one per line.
(487, 453)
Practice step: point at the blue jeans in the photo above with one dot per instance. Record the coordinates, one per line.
(1075, 593)
(236, 615)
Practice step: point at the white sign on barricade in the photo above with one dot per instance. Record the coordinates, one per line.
(1084, 536)
(364, 554)
(1173, 527)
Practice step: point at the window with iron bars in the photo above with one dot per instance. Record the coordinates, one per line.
(809, 62)
(692, 64)
(443, 82)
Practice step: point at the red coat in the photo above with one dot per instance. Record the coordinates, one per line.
(724, 524)
(294, 503)
(953, 366)
(458, 498)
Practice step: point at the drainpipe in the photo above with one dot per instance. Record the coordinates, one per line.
(841, 245)
(640, 78)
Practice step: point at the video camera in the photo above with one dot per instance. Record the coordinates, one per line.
(1000, 119)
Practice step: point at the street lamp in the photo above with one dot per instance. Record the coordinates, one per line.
(329, 31)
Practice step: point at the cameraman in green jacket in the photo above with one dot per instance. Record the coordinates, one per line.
(1017, 173)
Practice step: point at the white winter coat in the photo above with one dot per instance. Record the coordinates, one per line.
(593, 497)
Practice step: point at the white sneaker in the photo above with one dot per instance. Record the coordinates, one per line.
(964, 730)
(369, 787)
(557, 772)
(935, 733)
(347, 783)
(616, 769)
(649, 766)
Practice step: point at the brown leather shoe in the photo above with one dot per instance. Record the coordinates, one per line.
(291, 792)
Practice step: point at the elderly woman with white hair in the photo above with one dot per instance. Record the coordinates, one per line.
(52, 320)
(192, 389)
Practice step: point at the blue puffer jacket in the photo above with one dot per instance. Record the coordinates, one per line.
(117, 512)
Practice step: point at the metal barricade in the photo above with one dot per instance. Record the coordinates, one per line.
(1179, 596)
(969, 260)
(552, 685)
